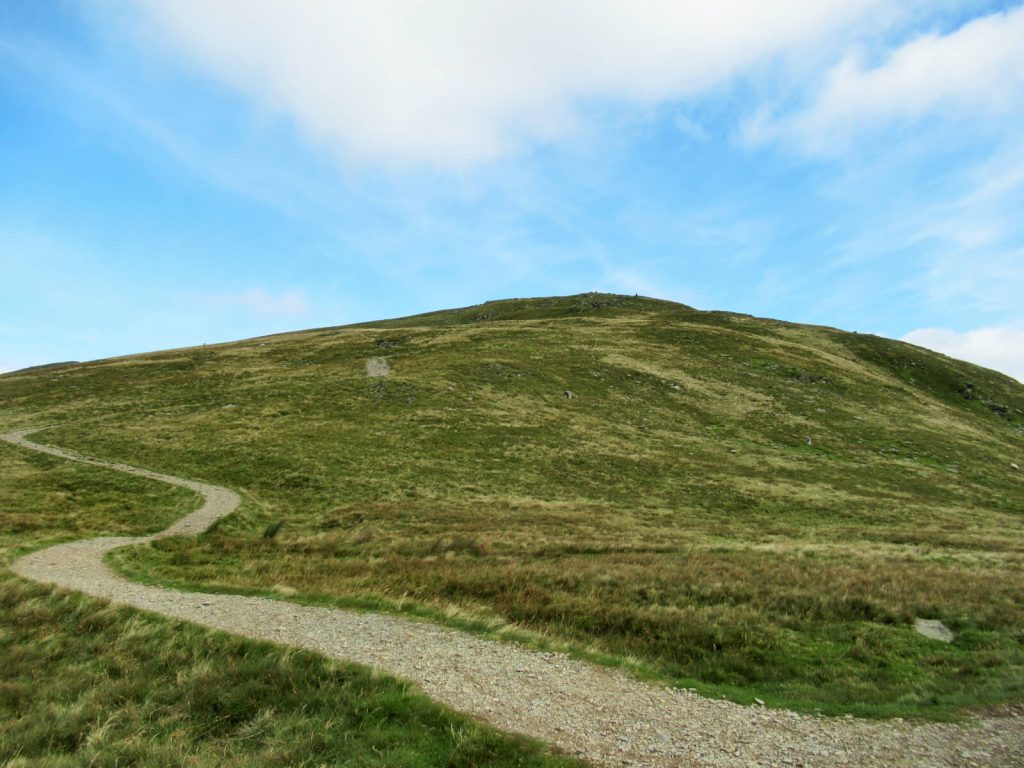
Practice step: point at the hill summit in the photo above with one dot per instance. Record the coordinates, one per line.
(750, 506)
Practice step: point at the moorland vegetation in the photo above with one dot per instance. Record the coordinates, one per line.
(748, 507)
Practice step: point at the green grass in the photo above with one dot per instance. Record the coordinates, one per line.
(749, 507)
(83, 683)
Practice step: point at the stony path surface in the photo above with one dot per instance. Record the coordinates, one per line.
(600, 714)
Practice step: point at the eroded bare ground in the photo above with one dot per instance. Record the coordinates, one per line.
(601, 714)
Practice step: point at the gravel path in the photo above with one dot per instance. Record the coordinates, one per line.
(597, 713)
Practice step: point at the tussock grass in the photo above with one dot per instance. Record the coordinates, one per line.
(746, 506)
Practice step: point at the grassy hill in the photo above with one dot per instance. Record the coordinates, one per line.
(745, 506)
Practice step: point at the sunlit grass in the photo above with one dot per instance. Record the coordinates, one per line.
(749, 507)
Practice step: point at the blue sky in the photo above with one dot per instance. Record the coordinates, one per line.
(174, 172)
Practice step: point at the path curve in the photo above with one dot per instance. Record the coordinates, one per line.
(601, 714)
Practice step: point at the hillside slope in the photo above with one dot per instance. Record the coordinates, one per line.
(748, 506)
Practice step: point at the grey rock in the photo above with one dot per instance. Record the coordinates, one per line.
(934, 630)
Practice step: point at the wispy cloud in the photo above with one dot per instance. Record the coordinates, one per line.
(992, 284)
(262, 302)
(966, 237)
(999, 348)
(224, 159)
(971, 74)
(691, 128)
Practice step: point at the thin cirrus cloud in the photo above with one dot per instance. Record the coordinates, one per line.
(454, 83)
(1000, 348)
(263, 302)
(976, 71)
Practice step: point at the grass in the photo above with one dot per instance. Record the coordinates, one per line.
(749, 507)
(84, 683)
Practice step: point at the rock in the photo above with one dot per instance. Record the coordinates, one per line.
(934, 630)
(377, 367)
(810, 378)
(568, 395)
(1002, 411)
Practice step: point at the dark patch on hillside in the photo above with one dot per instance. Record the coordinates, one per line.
(952, 381)
(584, 304)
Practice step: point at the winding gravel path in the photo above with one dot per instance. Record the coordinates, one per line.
(600, 714)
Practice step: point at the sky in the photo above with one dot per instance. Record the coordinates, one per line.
(179, 172)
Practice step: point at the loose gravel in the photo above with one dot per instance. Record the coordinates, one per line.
(600, 714)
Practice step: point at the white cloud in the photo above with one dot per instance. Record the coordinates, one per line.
(456, 82)
(264, 303)
(998, 347)
(976, 71)
(691, 128)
